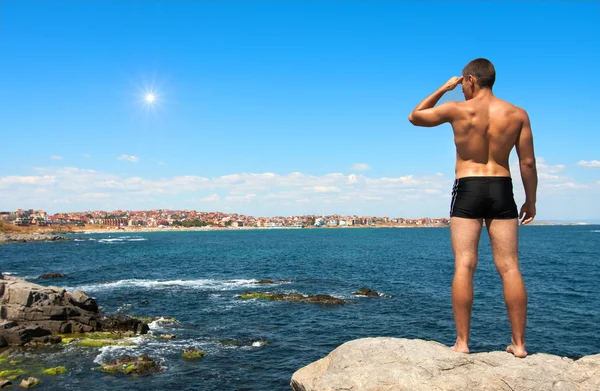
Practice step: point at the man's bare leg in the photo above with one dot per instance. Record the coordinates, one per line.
(504, 238)
(465, 234)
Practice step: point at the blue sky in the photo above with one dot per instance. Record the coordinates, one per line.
(286, 107)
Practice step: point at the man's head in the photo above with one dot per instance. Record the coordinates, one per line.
(477, 75)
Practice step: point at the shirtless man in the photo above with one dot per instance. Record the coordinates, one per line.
(485, 130)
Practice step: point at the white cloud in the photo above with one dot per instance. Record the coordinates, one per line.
(55, 157)
(360, 167)
(241, 198)
(591, 163)
(161, 163)
(87, 155)
(268, 194)
(94, 196)
(131, 158)
(326, 189)
(212, 197)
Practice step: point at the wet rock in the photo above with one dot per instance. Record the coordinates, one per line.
(5, 383)
(366, 292)
(167, 336)
(123, 323)
(129, 365)
(55, 371)
(193, 354)
(3, 342)
(43, 341)
(294, 297)
(53, 275)
(264, 282)
(30, 382)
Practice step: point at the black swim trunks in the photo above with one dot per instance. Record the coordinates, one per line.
(483, 198)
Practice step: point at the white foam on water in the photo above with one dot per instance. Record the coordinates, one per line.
(122, 239)
(9, 273)
(201, 284)
(258, 344)
(596, 230)
(107, 351)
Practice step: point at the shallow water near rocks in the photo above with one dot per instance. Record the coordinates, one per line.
(257, 345)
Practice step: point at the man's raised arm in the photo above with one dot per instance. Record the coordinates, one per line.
(524, 147)
(425, 114)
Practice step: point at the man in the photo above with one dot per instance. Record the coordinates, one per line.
(485, 130)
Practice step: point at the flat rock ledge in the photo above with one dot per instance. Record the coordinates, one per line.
(398, 364)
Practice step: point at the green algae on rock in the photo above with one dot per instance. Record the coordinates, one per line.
(193, 354)
(128, 365)
(99, 343)
(11, 374)
(55, 371)
(294, 297)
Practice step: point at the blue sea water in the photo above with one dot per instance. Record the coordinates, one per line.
(196, 276)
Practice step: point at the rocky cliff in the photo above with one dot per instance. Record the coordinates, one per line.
(386, 364)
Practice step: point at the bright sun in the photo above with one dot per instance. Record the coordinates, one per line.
(150, 98)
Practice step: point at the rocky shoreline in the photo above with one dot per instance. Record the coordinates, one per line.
(32, 314)
(30, 237)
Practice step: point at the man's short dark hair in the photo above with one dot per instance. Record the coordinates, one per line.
(483, 70)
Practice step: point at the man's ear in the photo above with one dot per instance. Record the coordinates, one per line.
(471, 79)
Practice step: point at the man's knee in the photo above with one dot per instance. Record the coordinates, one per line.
(465, 265)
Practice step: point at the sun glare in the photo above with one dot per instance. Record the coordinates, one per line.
(150, 97)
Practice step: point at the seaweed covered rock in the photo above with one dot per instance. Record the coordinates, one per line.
(128, 365)
(295, 297)
(193, 354)
(55, 371)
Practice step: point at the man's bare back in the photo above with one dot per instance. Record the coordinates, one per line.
(485, 131)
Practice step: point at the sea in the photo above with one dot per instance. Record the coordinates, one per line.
(196, 277)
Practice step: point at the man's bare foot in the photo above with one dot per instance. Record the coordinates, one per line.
(460, 348)
(517, 351)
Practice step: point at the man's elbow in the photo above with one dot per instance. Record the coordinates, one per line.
(414, 119)
(528, 164)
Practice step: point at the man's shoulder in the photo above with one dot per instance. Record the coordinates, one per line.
(510, 106)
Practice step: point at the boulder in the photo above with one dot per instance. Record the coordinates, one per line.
(30, 382)
(4, 383)
(53, 275)
(3, 342)
(366, 292)
(386, 364)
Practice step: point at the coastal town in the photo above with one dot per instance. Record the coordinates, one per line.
(162, 218)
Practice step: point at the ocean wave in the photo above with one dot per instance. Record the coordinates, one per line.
(122, 239)
(201, 284)
(596, 230)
